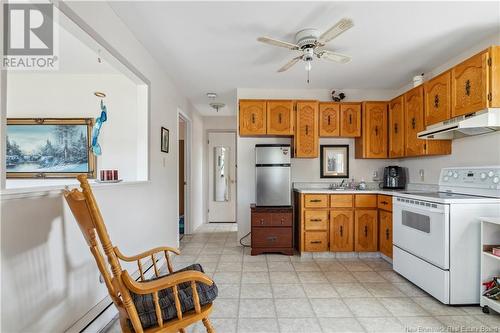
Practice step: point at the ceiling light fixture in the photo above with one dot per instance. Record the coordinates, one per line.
(211, 95)
(217, 105)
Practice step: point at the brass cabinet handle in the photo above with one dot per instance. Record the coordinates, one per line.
(396, 128)
(262, 221)
(272, 238)
(387, 233)
(436, 101)
(253, 118)
(384, 202)
(316, 242)
(341, 231)
(315, 200)
(350, 119)
(413, 123)
(366, 231)
(279, 118)
(315, 220)
(467, 87)
(328, 120)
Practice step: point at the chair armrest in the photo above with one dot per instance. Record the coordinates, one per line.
(145, 254)
(169, 281)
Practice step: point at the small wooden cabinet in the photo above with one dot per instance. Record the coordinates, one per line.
(329, 119)
(437, 95)
(350, 120)
(306, 138)
(280, 117)
(253, 117)
(414, 115)
(365, 230)
(341, 230)
(373, 140)
(272, 230)
(385, 224)
(396, 128)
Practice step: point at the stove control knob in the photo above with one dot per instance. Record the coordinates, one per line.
(455, 175)
(496, 180)
(483, 175)
(445, 178)
(490, 174)
(450, 173)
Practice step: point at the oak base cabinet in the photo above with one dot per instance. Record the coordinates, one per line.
(385, 232)
(365, 230)
(341, 230)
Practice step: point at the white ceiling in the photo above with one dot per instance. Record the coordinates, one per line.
(211, 46)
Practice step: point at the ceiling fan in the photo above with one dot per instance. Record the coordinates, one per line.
(311, 42)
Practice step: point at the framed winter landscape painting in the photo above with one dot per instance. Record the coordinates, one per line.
(334, 161)
(49, 148)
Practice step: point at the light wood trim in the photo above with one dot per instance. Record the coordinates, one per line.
(316, 220)
(145, 254)
(341, 200)
(159, 316)
(384, 202)
(365, 200)
(316, 201)
(196, 298)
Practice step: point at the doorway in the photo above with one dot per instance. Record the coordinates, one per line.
(221, 176)
(183, 142)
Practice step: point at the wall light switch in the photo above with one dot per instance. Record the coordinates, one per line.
(164, 162)
(421, 174)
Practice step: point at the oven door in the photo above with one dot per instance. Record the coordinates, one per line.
(422, 228)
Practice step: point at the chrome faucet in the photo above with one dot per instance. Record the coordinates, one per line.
(342, 183)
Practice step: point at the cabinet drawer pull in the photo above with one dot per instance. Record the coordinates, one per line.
(366, 231)
(315, 220)
(436, 101)
(467, 87)
(272, 238)
(279, 118)
(350, 119)
(341, 231)
(316, 242)
(282, 221)
(387, 233)
(315, 200)
(413, 123)
(384, 202)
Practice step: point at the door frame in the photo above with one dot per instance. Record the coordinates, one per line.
(187, 171)
(207, 168)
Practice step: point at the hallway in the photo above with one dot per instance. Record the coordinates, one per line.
(275, 293)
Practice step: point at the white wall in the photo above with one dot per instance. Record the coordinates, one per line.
(54, 95)
(302, 169)
(49, 279)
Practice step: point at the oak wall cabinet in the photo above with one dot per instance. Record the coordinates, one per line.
(437, 96)
(280, 118)
(253, 117)
(329, 119)
(350, 119)
(306, 139)
(396, 128)
(373, 141)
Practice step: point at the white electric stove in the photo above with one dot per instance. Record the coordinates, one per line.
(436, 235)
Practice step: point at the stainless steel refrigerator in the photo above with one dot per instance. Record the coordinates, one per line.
(273, 175)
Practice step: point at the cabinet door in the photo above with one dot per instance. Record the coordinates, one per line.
(350, 119)
(341, 231)
(437, 95)
(252, 117)
(469, 85)
(385, 232)
(396, 128)
(365, 230)
(315, 241)
(375, 129)
(280, 118)
(414, 115)
(329, 119)
(306, 131)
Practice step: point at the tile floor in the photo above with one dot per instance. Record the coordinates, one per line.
(275, 293)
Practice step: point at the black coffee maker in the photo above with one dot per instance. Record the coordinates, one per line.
(394, 177)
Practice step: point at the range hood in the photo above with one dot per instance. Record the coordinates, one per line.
(481, 122)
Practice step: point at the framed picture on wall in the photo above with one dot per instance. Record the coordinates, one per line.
(49, 148)
(165, 139)
(334, 161)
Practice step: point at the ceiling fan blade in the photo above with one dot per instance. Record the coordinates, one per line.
(341, 26)
(275, 42)
(334, 56)
(289, 64)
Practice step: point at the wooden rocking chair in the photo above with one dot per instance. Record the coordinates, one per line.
(164, 304)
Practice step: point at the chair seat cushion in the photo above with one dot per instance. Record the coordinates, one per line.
(146, 307)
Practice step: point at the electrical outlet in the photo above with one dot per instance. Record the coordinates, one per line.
(375, 175)
(421, 174)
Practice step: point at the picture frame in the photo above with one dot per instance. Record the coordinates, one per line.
(165, 139)
(49, 148)
(334, 161)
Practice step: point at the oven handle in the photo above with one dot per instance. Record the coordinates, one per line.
(420, 208)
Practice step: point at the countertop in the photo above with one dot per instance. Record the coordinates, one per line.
(328, 191)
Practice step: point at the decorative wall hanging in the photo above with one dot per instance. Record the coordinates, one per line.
(49, 148)
(165, 139)
(96, 148)
(334, 161)
(337, 98)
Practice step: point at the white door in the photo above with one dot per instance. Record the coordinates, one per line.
(221, 177)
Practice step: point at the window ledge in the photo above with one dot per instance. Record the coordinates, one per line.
(56, 189)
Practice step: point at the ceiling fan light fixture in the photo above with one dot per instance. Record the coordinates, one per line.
(211, 95)
(308, 65)
(217, 105)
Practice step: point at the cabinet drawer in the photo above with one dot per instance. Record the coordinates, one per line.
(316, 219)
(262, 219)
(316, 241)
(282, 219)
(341, 200)
(385, 202)
(316, 201)
(366, 200)
(271, 237)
